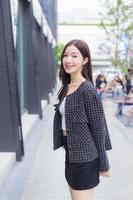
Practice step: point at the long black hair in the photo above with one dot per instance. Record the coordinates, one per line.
(86, 70)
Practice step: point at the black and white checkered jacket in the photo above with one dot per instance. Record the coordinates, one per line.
(87, 133)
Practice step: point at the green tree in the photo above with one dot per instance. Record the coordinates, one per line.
(118, 26)
(58, 50)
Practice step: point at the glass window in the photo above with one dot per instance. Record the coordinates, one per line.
(17, 10)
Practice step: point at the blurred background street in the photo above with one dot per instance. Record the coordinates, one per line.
(40, 176)
(32, 36)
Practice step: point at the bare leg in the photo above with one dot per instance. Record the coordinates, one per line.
(81, 194)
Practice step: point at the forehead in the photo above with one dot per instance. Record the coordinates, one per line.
(72, 49)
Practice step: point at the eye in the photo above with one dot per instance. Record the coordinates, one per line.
(65, 55)
(74, 56)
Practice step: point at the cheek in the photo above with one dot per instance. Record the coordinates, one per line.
(79, 63)
(63, 61)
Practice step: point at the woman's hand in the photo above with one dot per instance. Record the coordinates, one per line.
(105, 174)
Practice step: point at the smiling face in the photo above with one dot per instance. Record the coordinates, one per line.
(73, 60)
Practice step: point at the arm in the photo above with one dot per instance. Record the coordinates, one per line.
(97, 125)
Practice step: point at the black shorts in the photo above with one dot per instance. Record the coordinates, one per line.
(81, 176)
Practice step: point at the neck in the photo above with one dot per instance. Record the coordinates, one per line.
(76, 78)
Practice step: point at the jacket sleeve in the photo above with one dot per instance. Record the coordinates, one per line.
(98, 127)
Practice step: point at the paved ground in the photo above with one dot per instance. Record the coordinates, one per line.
(41, 174)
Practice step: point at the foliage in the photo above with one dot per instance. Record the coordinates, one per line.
(58, 50)
(118, 26)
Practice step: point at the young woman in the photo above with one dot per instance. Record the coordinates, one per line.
(79, 123)
(101, 84)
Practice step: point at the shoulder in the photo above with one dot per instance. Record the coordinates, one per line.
(88, 87)
(88, 90)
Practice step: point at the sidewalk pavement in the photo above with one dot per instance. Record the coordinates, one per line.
(41, 174)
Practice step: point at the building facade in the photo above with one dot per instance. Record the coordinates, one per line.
(28, 30)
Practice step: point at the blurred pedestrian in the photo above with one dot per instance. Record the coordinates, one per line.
(101, 84)
(128, 83)
(119, 96)
(130, 117)
(79, 123)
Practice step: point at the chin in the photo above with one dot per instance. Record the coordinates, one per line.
(70, 71)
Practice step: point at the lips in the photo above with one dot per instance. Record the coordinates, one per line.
(69, 66)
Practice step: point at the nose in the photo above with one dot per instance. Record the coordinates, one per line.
(68, 59)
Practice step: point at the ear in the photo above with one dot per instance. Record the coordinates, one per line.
(85, 60)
